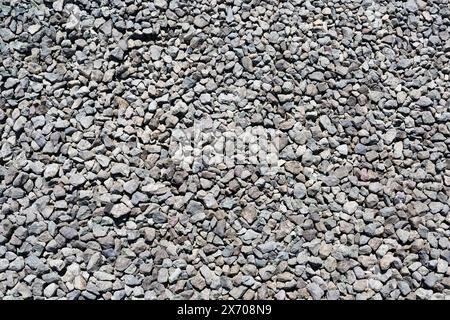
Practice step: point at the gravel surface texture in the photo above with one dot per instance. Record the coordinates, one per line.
(99, 199)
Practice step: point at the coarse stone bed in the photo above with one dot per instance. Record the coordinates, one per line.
(96, 203)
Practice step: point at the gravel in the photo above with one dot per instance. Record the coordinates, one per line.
(101, 197)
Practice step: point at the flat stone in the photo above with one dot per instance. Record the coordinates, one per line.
(350, 207)
(317, 76)
(247, 63)
(201, 21)
(249, 213)
(325, 122)
(131, 186)
(120, 169)
(162, 4)
(267, 272)
(250, 235)
(119, 210)
(51, 170)
(342, 149)
(68, 233)
(77, 179)
(299, 191)
(34, 28)
(118, 53)
(315, 291)
(194, 207)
